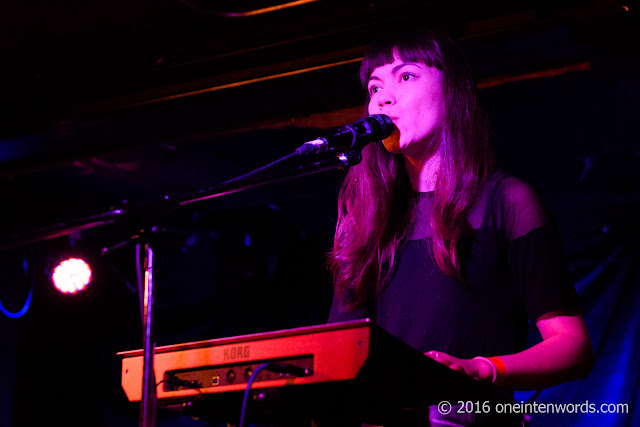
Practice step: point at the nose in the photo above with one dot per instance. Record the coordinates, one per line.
(385, 98)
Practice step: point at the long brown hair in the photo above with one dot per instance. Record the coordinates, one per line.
(375, 214)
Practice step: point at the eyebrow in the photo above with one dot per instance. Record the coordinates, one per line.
(394, 70)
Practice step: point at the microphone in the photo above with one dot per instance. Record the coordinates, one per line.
(353, 136)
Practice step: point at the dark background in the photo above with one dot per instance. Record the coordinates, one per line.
(113, 104)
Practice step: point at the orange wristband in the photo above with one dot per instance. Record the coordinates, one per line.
(502, 369)
(494, 370)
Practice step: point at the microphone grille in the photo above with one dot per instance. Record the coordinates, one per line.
(384, 126)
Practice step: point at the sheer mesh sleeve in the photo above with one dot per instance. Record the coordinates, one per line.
(534, 249)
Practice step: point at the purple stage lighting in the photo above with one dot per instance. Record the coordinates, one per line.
(71, 276)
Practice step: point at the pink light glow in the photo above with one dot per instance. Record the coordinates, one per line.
(71, 276)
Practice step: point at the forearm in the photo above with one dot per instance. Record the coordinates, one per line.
(555, 360)
(565, 354)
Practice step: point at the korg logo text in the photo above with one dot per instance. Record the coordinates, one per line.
(237, 352)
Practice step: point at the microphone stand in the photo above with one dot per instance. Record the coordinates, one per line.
(148, 404)
(245, 182)
(340, 161)
(146, 299)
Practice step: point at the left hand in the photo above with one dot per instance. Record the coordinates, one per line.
(475, 368)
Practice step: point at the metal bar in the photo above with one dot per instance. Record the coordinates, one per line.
(148, 404)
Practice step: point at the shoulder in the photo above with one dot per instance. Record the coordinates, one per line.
(515, 194)
(517, 206)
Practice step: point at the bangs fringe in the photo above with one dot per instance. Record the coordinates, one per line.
(407, 47)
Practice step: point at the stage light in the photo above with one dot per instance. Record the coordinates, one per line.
(71, 275)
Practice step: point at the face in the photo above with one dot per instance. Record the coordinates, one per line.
(411, 95)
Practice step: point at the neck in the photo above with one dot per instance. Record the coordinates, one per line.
(423, 172)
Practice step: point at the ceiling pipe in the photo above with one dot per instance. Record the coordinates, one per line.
(248, 13)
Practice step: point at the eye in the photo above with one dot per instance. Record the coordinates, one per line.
(407, 76)
(374, 89)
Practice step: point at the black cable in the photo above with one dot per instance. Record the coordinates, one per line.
(278, 368)
(177, 382)
(247, 390)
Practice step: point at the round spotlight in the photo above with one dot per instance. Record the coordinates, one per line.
(71, 276)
